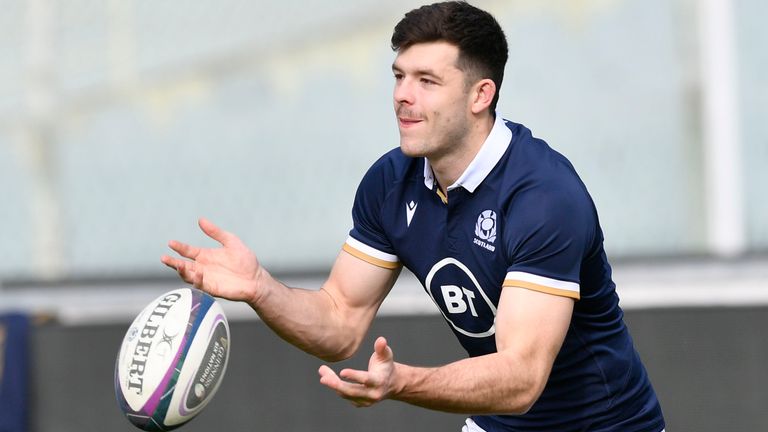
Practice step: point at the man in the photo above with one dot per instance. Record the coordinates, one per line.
(500, 231)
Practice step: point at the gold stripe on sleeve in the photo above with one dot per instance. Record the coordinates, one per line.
(369, 259)
(541, 288)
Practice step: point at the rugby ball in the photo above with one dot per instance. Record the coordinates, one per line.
(172, 360)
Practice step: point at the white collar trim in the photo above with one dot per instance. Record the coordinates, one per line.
(489, 155)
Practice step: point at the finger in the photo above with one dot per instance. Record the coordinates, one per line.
(325, 370)
(183, 249)
(328, 377)
(185, 269)
(181, 266)
(352, 391)
(186, 272)
(170, 261)
(347, 390)
(214, 232)
(356, 376)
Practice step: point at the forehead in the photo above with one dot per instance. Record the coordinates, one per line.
(438, 56)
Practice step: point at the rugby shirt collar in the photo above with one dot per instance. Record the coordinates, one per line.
(489, 155)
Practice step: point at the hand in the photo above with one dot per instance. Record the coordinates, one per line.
(230, 271)
(364, 388)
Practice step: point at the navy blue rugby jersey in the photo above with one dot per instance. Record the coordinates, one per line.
(518, 216)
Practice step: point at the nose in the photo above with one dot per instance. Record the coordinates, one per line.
(403, 93)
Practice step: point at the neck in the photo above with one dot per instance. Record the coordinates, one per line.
(450, 166)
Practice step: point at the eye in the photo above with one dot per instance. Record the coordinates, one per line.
(427, 81)
(398, 76)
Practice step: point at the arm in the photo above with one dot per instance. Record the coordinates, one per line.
(530, 329)
(329, 323)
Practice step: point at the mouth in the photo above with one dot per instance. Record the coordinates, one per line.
(406, 122)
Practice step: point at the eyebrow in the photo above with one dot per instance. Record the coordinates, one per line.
(418, 72)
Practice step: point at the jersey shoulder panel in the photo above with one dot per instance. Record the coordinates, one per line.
(389, 170)
(368, 239)
(551, 222)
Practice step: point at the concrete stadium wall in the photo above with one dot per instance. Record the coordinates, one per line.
(707, 365)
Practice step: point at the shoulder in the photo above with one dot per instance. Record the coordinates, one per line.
(533, 156)
(541, 188)
(392, 162)
(391, 168)
(535, 170)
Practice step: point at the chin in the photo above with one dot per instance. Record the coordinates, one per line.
(412, 149)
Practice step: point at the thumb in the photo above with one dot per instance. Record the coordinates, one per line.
(382, 350)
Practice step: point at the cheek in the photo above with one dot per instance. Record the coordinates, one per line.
(450, 113)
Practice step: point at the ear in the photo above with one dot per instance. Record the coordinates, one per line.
(482, 95)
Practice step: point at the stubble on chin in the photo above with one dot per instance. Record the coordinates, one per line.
(412, 148)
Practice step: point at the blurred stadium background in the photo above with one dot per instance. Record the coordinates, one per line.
(122, 122)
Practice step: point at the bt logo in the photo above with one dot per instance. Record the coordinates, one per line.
(469, 311)
(454, 299)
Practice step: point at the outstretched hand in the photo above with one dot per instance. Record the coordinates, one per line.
(230, 271)
(365, 388)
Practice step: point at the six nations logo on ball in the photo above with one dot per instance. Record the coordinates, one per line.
(485, 230)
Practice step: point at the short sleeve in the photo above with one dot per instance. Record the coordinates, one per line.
(367, 240)
(550, 230)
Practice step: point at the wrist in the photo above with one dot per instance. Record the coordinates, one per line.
(259, 287)
(399, 381)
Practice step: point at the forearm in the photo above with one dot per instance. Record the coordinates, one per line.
(329, 323)
(308, 319)
(490, 384)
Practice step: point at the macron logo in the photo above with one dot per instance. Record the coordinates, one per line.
(410, 209)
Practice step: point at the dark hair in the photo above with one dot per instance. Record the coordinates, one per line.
(481, 42)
